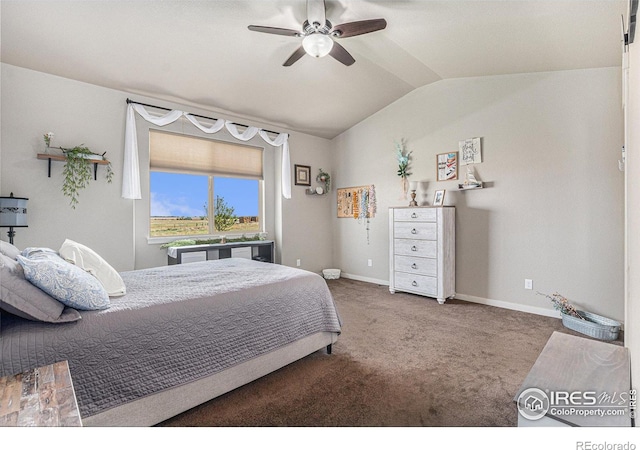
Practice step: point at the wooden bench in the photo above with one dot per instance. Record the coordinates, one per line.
(580, 377)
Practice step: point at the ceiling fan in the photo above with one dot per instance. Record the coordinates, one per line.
(319, 34)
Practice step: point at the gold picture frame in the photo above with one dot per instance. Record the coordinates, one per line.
(447, 166)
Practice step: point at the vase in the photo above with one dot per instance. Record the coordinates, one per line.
(405, 188)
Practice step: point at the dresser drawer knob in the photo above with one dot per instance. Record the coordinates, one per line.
(414, 248)
(414, 266)
(414, 283)
(414, 231)
(414, 216)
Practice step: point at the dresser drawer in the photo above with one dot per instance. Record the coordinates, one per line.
(415, 247)
(415, 215)
(417, 230)
(414, 265)
(416, 283)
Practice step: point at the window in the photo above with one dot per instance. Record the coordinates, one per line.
(203, 187)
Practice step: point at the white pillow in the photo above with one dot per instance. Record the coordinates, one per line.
(9, 250)
(88, 260)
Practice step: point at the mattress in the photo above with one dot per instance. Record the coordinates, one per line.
(176, 324)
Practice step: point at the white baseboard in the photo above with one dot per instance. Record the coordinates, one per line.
(365, 279)
(509, 305)
(473, 299)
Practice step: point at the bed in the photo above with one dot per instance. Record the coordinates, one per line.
(180, 336)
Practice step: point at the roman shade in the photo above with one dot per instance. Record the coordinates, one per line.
(131, 166)
(177, 152)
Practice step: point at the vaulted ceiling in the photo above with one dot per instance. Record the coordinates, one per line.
(201, 53)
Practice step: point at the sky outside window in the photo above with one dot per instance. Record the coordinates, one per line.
(178, 195)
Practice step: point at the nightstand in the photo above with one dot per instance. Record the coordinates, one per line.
(42, 397)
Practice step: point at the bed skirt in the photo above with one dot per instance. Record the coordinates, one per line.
(161, 406)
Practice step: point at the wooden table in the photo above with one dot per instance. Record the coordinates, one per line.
(42, 397)
(597, 373)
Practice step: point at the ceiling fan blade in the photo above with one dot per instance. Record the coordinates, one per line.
(299, 53)
(339, 53)
(316, 12)
(272, 30)
(360, 27)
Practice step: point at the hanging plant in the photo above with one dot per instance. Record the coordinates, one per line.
(77, 171)
(324, 177)
(77, 168)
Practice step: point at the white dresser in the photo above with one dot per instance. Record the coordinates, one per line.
(422, 251)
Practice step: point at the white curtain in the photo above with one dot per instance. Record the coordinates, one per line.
(131, 168)
(209, 130)
(281, 140)
(249, 133)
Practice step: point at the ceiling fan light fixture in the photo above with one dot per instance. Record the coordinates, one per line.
(317, 45)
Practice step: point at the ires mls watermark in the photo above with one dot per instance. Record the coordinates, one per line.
(534, 403)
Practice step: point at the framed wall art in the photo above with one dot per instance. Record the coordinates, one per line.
(438, 198)
(470, 151)
(447, 164)
(303, 175)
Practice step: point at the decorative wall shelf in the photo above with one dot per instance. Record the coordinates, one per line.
(50, 157)
(462, 187)
(313, 192)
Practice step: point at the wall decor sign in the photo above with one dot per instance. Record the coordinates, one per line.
(357, 202)
(303, 175)
(447, 166)
(470, 151)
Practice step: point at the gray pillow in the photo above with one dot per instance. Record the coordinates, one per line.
(21, 298)
(9, 250)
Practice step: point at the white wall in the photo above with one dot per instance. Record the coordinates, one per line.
(34, 103)
(632, 319)
(309, 239)
(552, 211)
(553, 208)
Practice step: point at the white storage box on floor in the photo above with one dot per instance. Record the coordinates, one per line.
(331, 274)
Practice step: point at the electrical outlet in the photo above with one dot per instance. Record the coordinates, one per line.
(528, 284)
(369, 263)
(297, 263)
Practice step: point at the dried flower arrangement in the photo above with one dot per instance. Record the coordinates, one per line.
(563, 305)
(404, 159)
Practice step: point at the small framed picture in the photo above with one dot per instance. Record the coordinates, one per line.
(303, 175)
(447, 164)
(438, 198)
(470, 151)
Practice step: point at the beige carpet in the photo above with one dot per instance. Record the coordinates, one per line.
(402, 360)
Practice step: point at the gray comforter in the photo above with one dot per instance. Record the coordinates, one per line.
(176, 324)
